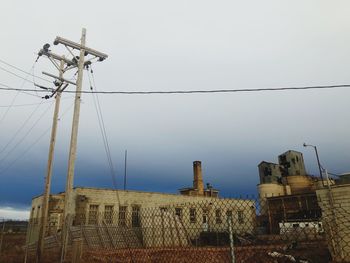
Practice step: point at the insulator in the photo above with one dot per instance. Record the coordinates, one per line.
(46, 47)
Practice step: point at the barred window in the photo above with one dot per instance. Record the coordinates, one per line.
(93, 214)
(122, 216)
(218, 219)
(178, 212)
(135, 216)
(205, 216)
(163, 209)
(193, 215)
(108, 214)
(229, 214)
(240, 217)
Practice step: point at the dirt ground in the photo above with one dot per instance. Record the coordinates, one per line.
(257, 254)
(13, 252)
(12, 248)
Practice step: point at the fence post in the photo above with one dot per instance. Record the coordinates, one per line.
(77, 249)
(28, 239)
(2, 234)
(338, 248)
(230, 231)
(65, 233)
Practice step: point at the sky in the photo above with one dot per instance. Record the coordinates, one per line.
(175, 45)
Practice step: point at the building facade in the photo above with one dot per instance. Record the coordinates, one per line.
(195, 210)
(287, 193)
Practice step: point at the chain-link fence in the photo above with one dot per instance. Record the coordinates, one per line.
(336, 221)
(269, 229)
(213, 230)
(12, 240)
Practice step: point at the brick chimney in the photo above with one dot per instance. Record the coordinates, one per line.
(197, 177)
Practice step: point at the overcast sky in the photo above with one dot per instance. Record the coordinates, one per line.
(177, 45)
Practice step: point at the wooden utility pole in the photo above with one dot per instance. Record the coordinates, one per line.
(73, 149)
(65, 65)
(68, 208)
(46, 195)
(74, 134)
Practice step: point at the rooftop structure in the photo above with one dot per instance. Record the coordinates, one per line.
(198, 185)
(198, 207)
(286, 192)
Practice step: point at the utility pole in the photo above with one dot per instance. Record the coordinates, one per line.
(46, 195)
(68, 209)
(73, 149)
(61, 83)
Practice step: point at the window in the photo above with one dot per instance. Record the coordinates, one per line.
(135, 216)
(218, 219)
(178, 212)
(240, 217)
(163, 209)
(108, 214)
(122, 216)
(93, 214)
(193, 215)
(38, 213)
(229, 213)
(205, 216)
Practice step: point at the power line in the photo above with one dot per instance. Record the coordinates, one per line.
(25, 151)
(20, 129)
(9, 107)
(15, 97)
(16, 75)
(7, 87)
(106, 146)
(40, 137)
(102, 126)
(30, 104)
(25, 79)
(23, 71)
(24, 105)
(27, 133)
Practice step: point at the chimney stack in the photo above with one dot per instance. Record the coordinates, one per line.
(197, 177)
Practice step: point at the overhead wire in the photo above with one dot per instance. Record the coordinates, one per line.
(23, 71)
(20, 128)
(40, 137)
(107, 148)
(31, 104)
(26, 135)
(14, 99)
(7, 87)
(25, 151)
(102, 129)
(25, 78)
(9, 107)
(16, 75)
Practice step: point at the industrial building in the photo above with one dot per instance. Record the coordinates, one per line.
(287, 193)
(198, 208)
